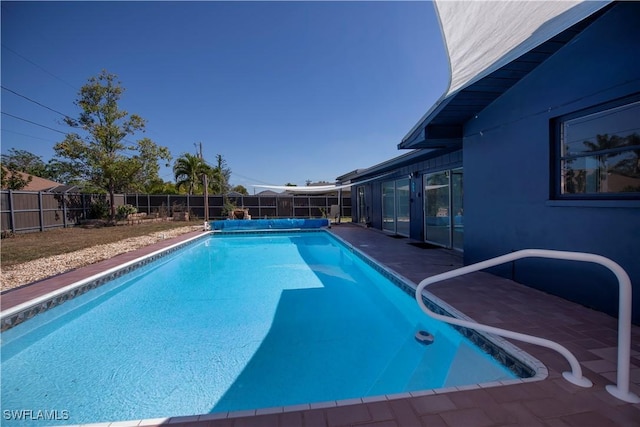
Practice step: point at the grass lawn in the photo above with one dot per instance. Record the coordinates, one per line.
(25, 247)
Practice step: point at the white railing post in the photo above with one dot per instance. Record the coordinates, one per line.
(621, 389)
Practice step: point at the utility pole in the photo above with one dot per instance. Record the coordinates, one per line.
(205, 184)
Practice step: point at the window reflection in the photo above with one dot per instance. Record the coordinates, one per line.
(601, 152)
(388, 206)
(403, 224)
(396, 207)
(437, 213)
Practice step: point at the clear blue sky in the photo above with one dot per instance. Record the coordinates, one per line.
(284, 91)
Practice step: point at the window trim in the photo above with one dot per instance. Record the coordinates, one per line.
(555, 127)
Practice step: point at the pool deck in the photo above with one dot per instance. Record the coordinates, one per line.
(590, 335)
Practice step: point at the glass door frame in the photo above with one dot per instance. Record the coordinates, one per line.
(391, 185)
(398, 206)
(426, 207)
(361, 205)
(403, 208)
(453, 220)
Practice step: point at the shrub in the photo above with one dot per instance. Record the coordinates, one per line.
(125, 210)
(99, 209)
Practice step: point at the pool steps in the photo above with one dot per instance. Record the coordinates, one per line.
(621, 389)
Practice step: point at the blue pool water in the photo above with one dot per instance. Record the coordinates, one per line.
(232, 323)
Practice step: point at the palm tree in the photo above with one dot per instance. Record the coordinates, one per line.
(188, 170)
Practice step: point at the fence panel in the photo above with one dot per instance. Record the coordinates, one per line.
(23, 211)
(6, 211)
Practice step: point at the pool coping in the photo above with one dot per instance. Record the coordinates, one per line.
(22, 312)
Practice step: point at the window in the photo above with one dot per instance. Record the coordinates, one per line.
(599, 152)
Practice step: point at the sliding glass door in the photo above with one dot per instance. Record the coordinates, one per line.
(443, 207)
(403, 215)
(457, 202)
(437, 208)
(389, 206)
(362, 210)
(396, 216)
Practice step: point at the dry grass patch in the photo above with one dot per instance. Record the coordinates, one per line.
(25, 247)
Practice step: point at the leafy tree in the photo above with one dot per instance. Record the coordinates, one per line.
(161, 187)
(99, 157)
(12, 179)
(220, 176)
(24, 161)
(240, 189)
(188, 170)
(147, 170)
(69, 173)
(217, 182)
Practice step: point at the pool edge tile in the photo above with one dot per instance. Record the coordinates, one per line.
(125, 423)
(268, 411)
(239, 414)
(445, 390)
(214, 416)
(419, 393)
(183, 419)
(295, 408)
(323, 405)
(347, 402)
(468, 387)
(153, 422)
(397, 396)
(374, 399)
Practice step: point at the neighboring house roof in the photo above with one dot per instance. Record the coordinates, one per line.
(305, 189)
(491, 46)
(316, 188)
(267, 193)
(38, 184)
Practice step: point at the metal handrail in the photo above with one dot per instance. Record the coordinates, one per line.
(621, 389)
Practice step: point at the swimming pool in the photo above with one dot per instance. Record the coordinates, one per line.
(234, 322)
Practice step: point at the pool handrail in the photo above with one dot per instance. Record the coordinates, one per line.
(621, 389)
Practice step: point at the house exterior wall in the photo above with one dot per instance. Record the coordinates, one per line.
(414, 170)
(509, 203)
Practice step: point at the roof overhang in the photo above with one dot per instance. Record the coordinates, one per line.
(491, 46)
(390, 166)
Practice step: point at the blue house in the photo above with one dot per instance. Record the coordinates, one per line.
(536, 144)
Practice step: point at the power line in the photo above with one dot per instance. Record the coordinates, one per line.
(33, 123)
(249, 178)
(237, 174)
(43, 106)
(66, 116)
(34, 101)
(38, 66)
(51, 74)
(27, 135)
